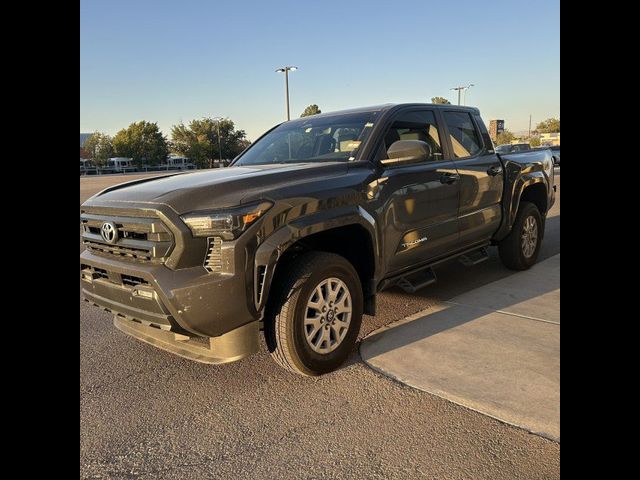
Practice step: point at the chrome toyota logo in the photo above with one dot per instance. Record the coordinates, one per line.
(109, 232)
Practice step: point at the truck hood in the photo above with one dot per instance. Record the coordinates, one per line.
(216, 188)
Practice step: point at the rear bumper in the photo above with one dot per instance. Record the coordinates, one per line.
(189, 301)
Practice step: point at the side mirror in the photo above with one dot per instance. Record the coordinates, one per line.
(404, 152)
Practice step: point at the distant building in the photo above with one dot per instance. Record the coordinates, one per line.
(550, 138)
(496, 127)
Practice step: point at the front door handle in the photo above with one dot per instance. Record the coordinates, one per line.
(495, 170)
(449, 178)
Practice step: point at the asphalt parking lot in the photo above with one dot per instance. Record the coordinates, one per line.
(148, 414)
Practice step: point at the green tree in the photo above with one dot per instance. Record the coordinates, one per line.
(550, 125)
(534, 141)
(505, 137)
(143, 142)
(199, 141)
(311, 110)
(440, 101)
(99, 148)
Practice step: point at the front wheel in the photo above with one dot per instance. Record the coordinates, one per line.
(315, 316)
(519, 250)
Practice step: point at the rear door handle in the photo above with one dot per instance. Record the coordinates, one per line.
(449, 178)
(495, 170)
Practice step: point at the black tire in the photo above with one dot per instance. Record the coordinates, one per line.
(284, 323)
(512, 252)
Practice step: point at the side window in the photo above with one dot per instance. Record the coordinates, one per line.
(488, 143)
(419, 125)
(464, 137)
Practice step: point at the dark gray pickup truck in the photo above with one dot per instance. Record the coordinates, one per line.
(294, 240)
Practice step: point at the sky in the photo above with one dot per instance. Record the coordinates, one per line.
(168, 61)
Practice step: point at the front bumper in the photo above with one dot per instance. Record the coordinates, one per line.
(188, 301)
(232, 346)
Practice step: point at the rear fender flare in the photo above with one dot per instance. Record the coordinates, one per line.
(511, 201)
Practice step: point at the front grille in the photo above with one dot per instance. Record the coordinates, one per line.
(127, 252)
(101, 273)
(141, 239)
(132, 281)
(213, 259)
(91, 273)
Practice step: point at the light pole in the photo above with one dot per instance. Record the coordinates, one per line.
(464, 93)
(461, 89)
(218, 120)
(286, 84)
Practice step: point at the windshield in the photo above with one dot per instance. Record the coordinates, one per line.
(334, 138)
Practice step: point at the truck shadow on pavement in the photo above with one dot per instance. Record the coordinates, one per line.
(455, 279)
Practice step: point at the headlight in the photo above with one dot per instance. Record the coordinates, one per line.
(228, 224)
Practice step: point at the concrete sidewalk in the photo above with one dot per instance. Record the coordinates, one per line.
(495, 349)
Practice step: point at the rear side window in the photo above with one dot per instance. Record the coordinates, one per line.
(464, 136)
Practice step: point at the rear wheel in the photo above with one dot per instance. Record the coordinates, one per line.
(519, 250)
(315, 316)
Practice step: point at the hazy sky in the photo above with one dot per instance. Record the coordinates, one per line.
(167, 61)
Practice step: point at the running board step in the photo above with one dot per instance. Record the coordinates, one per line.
(416, 281)
(475, 257)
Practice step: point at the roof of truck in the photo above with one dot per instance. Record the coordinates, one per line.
(389, 106)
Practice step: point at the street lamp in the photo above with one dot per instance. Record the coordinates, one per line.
(286, 71)
(461, 89)
(219, 119)
(464, 93)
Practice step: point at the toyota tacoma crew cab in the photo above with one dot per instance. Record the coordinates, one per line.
(293, 241)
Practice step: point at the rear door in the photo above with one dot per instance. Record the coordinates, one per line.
(420, 200)
(481, 176)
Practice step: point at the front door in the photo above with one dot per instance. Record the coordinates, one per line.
(420, 203)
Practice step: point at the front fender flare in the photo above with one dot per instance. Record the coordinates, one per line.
(271, 250)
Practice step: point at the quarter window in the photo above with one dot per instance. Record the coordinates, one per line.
(464, 136)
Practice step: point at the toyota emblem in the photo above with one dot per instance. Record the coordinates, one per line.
(109, 232)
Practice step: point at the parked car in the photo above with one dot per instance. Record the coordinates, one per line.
(513, 147)
(294, 240)
(555, 151)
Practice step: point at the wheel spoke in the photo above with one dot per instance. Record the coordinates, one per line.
(333, 290)
(313, 320)
(340, 324)
(322, 338)
(337, 331)
(317, 299)
(343, 306)
(314, 332)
